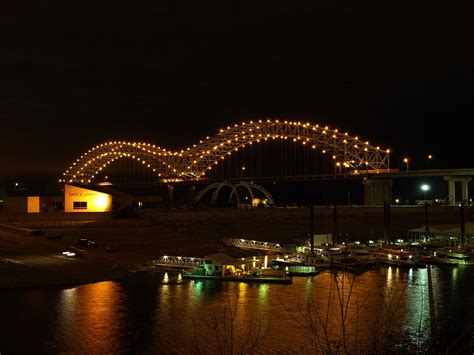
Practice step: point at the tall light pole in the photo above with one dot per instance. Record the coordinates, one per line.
(425, 188)
(428, 160)
(406, 161)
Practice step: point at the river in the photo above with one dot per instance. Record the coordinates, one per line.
(160, 313)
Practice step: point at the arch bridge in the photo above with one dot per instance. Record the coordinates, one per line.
(250, 187)
(194, 162)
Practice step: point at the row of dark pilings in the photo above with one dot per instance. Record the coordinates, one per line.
(387, 224)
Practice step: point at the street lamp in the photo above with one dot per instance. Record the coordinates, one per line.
(428, 160)
(406, 160)
(425, 188)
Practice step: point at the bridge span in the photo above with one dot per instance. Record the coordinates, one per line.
(349, 154)
(378, 187)
(196, 162)
(378, 184)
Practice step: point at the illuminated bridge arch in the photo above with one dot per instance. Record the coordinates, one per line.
(250, 187)
(194, 162)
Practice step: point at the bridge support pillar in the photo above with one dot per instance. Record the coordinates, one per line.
(464, 180)
(452, 192)
(465, 192)
(170, 192)
(190, 193)
(377, 191)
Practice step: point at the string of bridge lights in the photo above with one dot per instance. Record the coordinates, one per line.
(195, 161)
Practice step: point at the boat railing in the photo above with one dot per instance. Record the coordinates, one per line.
(178, 261)
(254, 244)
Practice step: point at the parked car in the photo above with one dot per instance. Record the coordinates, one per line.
(83, 241)
(37, 232)
(92, 244)
(112, 249)
(53, 236)
(87, 243)
(72, 252)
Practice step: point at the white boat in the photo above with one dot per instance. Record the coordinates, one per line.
(361, 255)
(307, 259)
(397, 257)
(464, 258)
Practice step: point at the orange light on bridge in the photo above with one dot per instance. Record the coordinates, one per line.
(406, 161)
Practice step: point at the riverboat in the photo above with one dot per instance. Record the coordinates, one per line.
(452, 258)
(306, 259)
(295, 268)
(397, 257)
(286, 280)
(302, 270)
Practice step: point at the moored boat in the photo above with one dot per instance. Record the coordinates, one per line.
(397, 257)
(452, 258)
(307, 259)
(302, 270)
(239, 278)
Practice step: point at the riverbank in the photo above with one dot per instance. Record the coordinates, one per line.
(27, 260)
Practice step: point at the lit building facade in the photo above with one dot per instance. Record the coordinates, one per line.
(79, 199)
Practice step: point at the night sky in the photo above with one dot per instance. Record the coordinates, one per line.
(170, 72)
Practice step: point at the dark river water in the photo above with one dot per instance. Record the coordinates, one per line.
(160, 313)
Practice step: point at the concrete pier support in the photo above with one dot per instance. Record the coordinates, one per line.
(465, 192)
(452, 192)
(190, 193)
(170, 193)
(464, 180)
(377, 191)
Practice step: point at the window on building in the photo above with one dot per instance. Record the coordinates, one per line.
(79, 205)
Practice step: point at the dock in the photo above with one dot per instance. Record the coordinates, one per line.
(261, 279)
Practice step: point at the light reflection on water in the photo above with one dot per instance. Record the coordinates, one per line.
(156, 314)
(88, 318)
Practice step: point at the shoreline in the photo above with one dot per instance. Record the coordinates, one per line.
(46, 279)
(60, 283)
(35, 261)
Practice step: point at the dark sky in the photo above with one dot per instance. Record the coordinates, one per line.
(171, 72)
